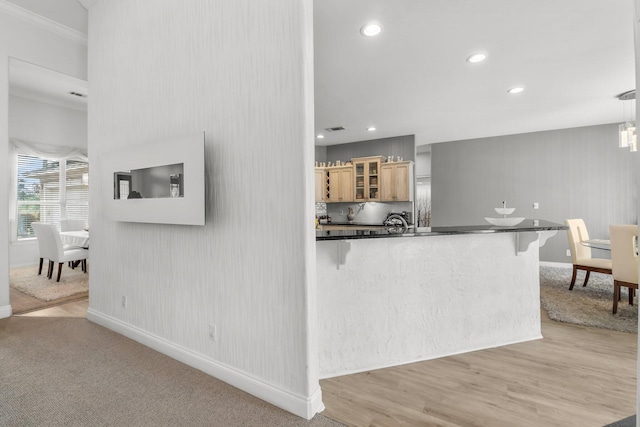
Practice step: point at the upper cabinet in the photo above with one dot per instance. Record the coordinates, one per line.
(322, 184)
(340, 184)
(367, 178)
(396, 182)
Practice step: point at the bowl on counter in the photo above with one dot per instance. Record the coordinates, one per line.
(505, 211)
(504, 222)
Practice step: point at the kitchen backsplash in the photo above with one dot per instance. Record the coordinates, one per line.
(366, 213)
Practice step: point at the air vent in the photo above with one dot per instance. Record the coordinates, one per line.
(334, 129)
(81, 95)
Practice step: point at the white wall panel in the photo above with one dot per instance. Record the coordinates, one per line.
(43, 123)
(240, 72)
(392, 301)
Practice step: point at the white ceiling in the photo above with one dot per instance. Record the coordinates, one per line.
(40, 84)
(572, 56)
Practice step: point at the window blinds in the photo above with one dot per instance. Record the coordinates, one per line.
(49, 191)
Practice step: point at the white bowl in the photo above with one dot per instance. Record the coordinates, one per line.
(504, 222)
(505, 211)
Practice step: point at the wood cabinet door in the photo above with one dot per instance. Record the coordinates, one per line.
(320, 185)
(334, 186)
(402, 187)
(387, 183)
(347, 187)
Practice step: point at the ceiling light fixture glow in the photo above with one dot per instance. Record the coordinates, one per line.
(516, 89)
(371, 29)
(320, 136)
(477, 57)
(371, 129)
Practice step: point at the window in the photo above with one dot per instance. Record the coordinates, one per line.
(49, 191)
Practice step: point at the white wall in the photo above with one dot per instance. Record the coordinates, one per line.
(43, 123)
(390, 301)
(242, 72)
(23, 40)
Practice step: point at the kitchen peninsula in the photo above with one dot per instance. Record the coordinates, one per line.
(389, 298)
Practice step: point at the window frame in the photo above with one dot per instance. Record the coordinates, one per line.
(60, 203)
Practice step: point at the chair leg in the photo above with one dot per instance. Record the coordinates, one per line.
(630, 296)
(616, 295)
(59, 271)
(84, 265)
(586, 279)
(50, 270)
(40, 267)
(573, 278)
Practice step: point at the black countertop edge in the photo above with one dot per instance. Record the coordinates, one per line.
(524, 226)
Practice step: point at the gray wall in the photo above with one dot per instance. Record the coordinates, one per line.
(571, 173)
(403, 146)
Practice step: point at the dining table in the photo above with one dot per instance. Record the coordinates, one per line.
(77, 238)
(602, 244)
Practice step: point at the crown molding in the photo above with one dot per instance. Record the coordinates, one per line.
(42, 22)
(88, 3)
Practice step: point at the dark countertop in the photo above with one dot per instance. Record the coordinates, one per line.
(526, 225)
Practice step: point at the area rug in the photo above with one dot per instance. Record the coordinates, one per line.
(588, 306)
(72, 282)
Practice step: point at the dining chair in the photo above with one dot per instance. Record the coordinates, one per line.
(52, 249)
(581, 255)
(72, 224)
(624, 257)
(40, 238)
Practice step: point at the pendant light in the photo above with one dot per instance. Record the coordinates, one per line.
(627, 130)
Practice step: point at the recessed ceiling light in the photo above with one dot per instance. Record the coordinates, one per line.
(477, 57)
(320, 136)
(371, 29)
(371, 129)
(516, 89)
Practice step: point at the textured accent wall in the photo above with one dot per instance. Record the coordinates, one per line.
(391, 301)
(241, 71)
(571, 173)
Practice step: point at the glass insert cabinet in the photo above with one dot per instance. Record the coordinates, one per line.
(367, 170)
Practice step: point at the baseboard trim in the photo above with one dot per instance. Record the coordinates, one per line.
(5, 311)
(432, 357)
(302, 406)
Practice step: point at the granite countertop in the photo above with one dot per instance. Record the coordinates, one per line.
(377, 232)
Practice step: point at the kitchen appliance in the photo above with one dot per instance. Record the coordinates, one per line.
(397, 219)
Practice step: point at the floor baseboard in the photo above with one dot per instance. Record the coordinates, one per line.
(302, 406)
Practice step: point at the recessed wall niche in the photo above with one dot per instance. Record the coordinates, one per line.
(160, 182)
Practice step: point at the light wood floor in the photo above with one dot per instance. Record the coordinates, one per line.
(574, 376)
(76, 308)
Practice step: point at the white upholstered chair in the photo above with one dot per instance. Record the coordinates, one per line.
(581, 255)
(41, 245)
(624, 259)
(72, 225)
(51, 248)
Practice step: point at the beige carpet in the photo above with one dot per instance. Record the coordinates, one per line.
(590, 306)
(71, 372)
(27, 281)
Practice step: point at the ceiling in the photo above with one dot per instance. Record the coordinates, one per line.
(573, 57)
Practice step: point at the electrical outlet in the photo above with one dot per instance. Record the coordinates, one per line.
(124, 302)
(536, 205)
(568, 252)
(212, 332)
